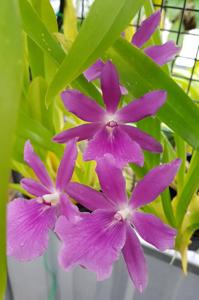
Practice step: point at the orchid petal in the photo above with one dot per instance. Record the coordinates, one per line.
(153, 231)
(135, 261)
(94, 71)
(111, 180)
(143, 107)
(37, 165)
(68, 209)
(33, 187)
(82, 106)
(117, 143)
(145, 141)
(82, 132)
(28, 226)
(162, 54)
(146, 29)
(94, 242)
(66, 167)
(88, 197)
(154, 183)
(110, 87)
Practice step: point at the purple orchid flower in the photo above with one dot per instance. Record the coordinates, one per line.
(29, 221)
(96, 240)
(107, 131)
(161, 54)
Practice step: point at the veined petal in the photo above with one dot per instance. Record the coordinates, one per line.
(110, 87)
(111, 180)
(37, 165)
(28, 225)
(33, 187)
(88, 197)
(135, 261)
(68, 209)
(154, 183)
(82, 106)
(117, 143)
(94, 71)
(153, 231)
(143, 107)
(162, 54)
(67, 164)
(145, 141)
(82, 132)
(94, 242)
(146, 29)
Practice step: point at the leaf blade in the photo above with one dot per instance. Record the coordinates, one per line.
(11, 54)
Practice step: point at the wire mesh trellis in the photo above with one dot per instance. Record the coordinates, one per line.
(179, 23)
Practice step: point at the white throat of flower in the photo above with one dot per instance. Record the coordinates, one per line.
(124, 214)
(51, 199)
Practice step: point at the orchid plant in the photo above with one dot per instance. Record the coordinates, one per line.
(95, 126)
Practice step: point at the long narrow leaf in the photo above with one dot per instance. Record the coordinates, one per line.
(11, 54)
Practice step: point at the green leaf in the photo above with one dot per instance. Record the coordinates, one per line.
(103, 25)
(70, 22)
(11, 66)
(190, 186)
(28, 128)
(140, 75)
(38, 32)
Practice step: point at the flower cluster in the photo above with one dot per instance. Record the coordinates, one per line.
(95, 239)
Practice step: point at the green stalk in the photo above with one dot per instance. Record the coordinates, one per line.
(189, 188)
(181, 153)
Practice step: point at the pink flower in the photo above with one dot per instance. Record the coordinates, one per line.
(96, 240)
(161, 54)
(29, 221)
(107, 131)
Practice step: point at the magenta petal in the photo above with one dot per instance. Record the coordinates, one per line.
(94, 72)
(37, 165)
(143, 107)
(135, 261)
(82, 106)
(28, 225)
(117, 143)
(162, 54)
(154, 183)
(110, 87)
(68, 209)
(145, 141)
(82, 132)
(67, 164)
(153, 231)
(111, 180)
(94, 242)
(33, 187)
(146, 29)
(88, 197)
